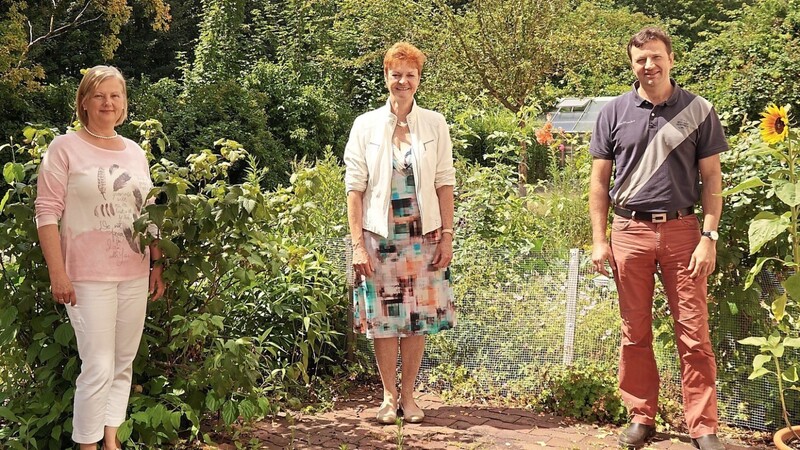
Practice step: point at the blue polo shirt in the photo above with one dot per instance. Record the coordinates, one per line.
(656, 148)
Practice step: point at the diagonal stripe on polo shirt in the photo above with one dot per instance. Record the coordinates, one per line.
(663, 143)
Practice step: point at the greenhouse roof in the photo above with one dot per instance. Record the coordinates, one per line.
(577, 115)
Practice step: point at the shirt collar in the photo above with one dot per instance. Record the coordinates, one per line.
(410, 118)
(676, 92)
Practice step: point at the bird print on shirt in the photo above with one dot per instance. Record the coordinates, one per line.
(118, 204)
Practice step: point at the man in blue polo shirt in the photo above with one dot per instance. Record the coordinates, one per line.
(660, 142)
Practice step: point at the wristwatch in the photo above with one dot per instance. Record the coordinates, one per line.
(713, 235)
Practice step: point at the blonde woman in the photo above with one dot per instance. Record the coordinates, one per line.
(92, 186)
(399, 182)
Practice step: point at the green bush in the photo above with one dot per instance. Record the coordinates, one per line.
(250, 320)
(586, 391)
(480, 133)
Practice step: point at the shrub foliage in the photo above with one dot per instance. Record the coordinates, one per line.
(249, 321)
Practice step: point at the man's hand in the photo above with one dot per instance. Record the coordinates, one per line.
(601, 254)
(704, 259)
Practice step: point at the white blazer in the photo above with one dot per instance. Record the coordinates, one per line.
(368, 160)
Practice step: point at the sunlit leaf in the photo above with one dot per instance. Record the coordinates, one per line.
(764, 228)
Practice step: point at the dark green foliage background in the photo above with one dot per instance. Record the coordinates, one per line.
(256, 311)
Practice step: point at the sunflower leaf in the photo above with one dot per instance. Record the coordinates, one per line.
(765, 227)
(750, 183)
(792, 286)
(756, 269)
(789, 193)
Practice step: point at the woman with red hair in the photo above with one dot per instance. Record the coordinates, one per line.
(399, 182)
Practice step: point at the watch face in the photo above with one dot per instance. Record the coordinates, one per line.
(713, 235)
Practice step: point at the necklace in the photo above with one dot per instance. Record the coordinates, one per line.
(100, 136)
(402, 124)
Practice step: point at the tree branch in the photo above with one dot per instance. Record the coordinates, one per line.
(54, 32)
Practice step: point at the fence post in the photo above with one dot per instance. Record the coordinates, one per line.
(572, 304)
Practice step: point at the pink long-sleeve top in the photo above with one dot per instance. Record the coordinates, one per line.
(95, 195)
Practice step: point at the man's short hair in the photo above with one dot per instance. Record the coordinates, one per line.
(649, 34)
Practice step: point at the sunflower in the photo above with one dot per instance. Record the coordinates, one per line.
(775, 124)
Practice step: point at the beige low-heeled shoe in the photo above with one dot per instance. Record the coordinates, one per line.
(387, 414)
(415, 417)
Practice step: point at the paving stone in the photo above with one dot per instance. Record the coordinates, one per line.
(351, 422)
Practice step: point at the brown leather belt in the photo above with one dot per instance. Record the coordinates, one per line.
(655, 217)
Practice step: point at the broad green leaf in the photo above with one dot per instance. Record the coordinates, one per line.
(778, 307)
(4, 200)
(156, 213)
(229, 412)
(247, 409)
(758, 373)
(765, 227)
(63, 334)
(7, 335)
(124, 431)
(792, 286)
(7, 414)
(169, 248)
(13, 172)
(212, 403)
(8, 315)
(791, 342)
(756, 269)
(48, 352)
(750, 183)
(788, 193)
(29, 132)
(263, 405)
(759, 361)
(790, 374)
(753, 340)
(141, 417)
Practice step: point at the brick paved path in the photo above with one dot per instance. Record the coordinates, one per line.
(351, 425)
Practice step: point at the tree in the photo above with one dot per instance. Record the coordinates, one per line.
(218, 54)
(689, 19)
(518, 48)
(752, 62)
(28, 25)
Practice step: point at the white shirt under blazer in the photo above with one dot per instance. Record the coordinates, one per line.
(368, 162)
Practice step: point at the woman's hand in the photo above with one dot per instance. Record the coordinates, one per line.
(362, 264)
(62, 289)
(157, 285)
(444, 252)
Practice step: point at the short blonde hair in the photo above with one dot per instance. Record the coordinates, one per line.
(403, 51)
(91, 79)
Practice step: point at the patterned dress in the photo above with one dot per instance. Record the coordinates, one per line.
(406, 295)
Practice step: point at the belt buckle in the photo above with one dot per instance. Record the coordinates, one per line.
(658, 217)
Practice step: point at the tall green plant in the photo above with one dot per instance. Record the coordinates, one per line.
(780, 142)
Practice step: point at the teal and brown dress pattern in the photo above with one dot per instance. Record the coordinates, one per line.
(406, 295)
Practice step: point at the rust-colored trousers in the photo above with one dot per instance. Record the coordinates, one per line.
(641, 249)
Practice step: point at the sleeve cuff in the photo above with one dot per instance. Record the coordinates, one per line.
(46, 219)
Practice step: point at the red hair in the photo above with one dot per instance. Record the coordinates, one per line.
(405, 52)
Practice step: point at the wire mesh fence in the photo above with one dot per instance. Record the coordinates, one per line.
(521, 314)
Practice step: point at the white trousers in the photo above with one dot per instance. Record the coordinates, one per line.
(108, 320)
